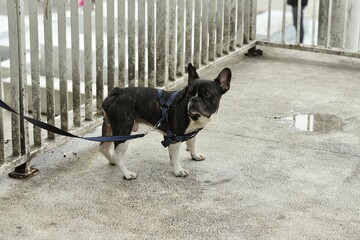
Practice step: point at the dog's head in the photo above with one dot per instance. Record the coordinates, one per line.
(204, 95)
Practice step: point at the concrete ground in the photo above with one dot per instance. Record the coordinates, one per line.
(262, 178)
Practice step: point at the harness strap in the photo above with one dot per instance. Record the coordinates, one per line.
(163, 122)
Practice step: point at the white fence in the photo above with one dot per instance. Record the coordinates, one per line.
(331, 26)
(63, 59)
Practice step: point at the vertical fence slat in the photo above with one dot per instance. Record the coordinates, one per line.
(162, 42)
(232, 33)
(88, 59)
(99, 30)
(247, 16)
(121, 43)
(345, 24)
(2, 139)
(189, 7)
(268, 21)
(197, 33)
(240, 23)
(23, 97)
(252, 19)
(313, 23)
(172, 39)
(226, 31)
(298, 25)
(328, 34)
(14, 76)
(35, 69)
(75, 66)
(110, 44)
(49, 65)
(219, 27)
(151, 21)
(132, 43)
(212, 29)
(283, 25)
(142, 43)
(205, 32)
(181, 37)
(62, 65)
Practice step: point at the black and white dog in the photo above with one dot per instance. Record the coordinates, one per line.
(190, 110)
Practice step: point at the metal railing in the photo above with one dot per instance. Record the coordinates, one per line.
(75, 55)
(331, 26)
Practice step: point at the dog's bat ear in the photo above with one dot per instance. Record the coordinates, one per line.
(223, 80)
(192, 73)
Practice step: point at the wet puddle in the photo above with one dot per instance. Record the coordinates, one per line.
(321, 123)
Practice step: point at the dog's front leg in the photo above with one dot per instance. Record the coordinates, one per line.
(190, 146)
(174, 152)
(118, 159)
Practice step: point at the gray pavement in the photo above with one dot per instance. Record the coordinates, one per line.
(262, 178)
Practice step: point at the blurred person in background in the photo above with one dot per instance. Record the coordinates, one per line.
(294, 6)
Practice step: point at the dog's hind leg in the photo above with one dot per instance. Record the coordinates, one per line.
(118, 159)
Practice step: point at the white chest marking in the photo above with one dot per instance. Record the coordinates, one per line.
(196, 125)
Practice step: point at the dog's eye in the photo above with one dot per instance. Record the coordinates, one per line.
(206, 94)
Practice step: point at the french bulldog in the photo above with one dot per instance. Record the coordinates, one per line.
(191, 109)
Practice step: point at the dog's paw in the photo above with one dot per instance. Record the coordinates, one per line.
(130, 176)
(181, 173)
(198, 157)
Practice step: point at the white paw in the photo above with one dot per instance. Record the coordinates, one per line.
(181, 173)
(197, 157)
(130, 175)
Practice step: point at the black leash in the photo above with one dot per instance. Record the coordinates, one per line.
(162, 124)
(64, 133)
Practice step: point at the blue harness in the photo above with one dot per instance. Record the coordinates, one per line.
(163, 123)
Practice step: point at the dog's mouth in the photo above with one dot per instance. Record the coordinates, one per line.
(195, 113)
(194, 116)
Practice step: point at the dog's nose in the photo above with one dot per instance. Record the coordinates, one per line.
(194, 99)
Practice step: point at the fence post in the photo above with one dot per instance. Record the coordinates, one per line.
(172, 39)
(14, 73)
(219, 27)
(62, 65)
(212, 29)
(88, 60)
(132, 43)
(197, 33)
(142, 50)
(99, 31)
(181, 38)
(19, 92)
(35, 74)
(162, 42)
(75, 69)
(226, 31)
(151, 43)
(122, 74)
(189, 7)
(205, 32)
(49, 65)
(232, 34)
(110, 44)
(353, 26)
(2, 140)
(240, 23)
